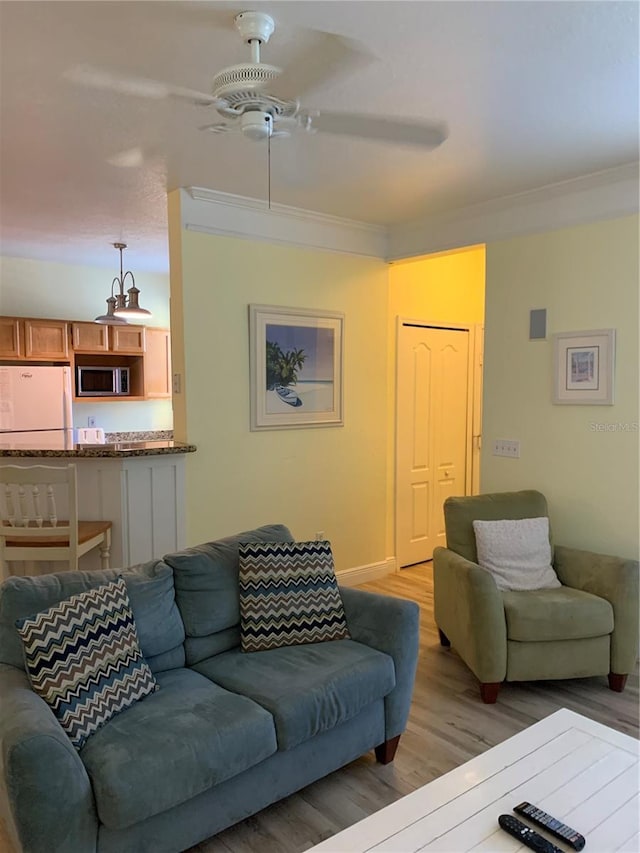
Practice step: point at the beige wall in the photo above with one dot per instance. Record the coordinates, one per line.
(31, 288)
(330, 479)
(587, 278)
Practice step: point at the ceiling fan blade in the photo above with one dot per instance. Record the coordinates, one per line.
(320, 57)
(142, 87)
(399, 131)
(217, 127)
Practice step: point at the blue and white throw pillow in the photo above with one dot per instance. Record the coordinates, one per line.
(288, 595)
(83, 658)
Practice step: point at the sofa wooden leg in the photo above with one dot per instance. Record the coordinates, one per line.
(444, 640)
(385, 753)
(489, 691)
(617, 681)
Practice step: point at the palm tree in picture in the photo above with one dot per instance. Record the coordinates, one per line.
(282, 367)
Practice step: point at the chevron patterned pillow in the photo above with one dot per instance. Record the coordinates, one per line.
(288, 595)
(83, 658)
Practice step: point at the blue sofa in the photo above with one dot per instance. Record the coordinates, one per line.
(227, 733)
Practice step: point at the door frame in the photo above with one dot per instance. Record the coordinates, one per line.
(473, 440)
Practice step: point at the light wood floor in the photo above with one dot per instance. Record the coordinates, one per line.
(447, 726)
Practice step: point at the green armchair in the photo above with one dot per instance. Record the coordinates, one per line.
(588, 626)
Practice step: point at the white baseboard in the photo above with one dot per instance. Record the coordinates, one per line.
(362, 574)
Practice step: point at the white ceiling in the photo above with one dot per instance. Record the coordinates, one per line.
(533, 93)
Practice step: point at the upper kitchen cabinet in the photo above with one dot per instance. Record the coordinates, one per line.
(89, 337)
(127, 339)
(157, 365)
(33, 340)
(11, 337)
(96, 338)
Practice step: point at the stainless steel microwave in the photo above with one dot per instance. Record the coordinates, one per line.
(102, 382)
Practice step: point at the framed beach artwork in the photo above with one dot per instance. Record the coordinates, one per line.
(583, 367)
(295, 367)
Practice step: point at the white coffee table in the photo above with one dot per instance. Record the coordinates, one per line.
(581, 772)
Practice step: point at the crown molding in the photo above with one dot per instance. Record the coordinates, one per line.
(608, 194)
(231, 215)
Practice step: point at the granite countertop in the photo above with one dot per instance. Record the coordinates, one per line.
(160, 447)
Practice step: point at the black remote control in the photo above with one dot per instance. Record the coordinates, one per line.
(527, 836)
(553, 826)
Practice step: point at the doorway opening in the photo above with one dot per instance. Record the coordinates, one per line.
(438, 303)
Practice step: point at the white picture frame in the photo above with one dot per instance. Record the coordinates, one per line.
(583, 365)
(296, 367)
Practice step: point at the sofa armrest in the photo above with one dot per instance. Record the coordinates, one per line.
(615, 579)
(390, 625)
(468, 608)
(46, 784)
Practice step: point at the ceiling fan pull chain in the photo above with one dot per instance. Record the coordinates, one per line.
(269, 168)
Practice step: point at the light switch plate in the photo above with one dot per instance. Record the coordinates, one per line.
(506, 447)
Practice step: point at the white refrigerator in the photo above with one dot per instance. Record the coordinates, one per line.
(35, 408)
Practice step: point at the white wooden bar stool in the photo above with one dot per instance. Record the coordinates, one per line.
(31, 532)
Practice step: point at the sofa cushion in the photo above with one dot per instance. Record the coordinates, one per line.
(180, 741)
(308, 689)
(516, 552)
(288, 595)
(150, 590)
(556, 614)
(206, 582)
(84, 660)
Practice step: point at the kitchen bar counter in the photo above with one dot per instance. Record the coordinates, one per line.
(117, 450)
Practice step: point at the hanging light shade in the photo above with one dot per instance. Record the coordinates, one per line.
(122, 305)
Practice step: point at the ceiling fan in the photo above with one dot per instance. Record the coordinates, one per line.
(261, 101)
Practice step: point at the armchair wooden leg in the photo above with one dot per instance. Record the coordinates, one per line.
(444, 640)
(489, 691)
(617, 681)
(385, 753)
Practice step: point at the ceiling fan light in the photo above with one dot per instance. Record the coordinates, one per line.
(256, 124)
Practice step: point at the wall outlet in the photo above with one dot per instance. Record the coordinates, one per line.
(91, 421)
(506, 447)
(320, 536)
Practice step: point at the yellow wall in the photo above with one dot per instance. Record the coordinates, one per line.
(447, 287)
(330, 479)
(31, 288)
(443, 288)
(587, 278)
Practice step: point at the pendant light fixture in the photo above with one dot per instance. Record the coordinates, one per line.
(122, 305)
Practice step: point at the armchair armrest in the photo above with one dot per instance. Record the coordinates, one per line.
(468, 608)
(390, 625)
(615, 579)
(44, 780)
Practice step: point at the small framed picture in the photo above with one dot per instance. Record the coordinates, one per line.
(295, 367)
(584, 367)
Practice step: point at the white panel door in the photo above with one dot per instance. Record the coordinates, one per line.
(432, 434)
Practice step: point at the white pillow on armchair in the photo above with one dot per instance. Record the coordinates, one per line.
(516, 552)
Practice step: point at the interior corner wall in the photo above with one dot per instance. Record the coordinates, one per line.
(330, 479)
(447, 287)
(584, 458)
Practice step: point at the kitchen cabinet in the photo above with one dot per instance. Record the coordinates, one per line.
(157, 364)
(127, 339)
(33, 340)
(94, 337)
(11, 335)
(89, 337)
